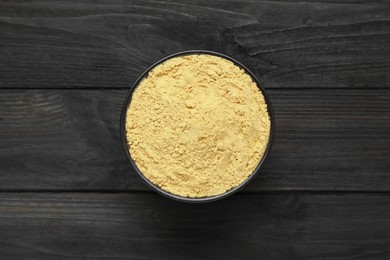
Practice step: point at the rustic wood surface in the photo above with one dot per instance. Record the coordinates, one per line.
(107, 44)
(69, 140)
(67, 191)
(148, 226)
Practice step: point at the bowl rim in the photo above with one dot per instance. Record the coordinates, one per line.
(157, 188)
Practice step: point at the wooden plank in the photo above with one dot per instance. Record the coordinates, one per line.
(69, 140)
(147, 226)
(107, 44)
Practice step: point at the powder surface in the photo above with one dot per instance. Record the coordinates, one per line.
(197, 125)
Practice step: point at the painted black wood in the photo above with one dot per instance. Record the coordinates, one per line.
(69, 140)
(326, 64)
(148, 226)
(107, 44)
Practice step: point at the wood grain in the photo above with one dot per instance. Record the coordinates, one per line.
(66, 66)
(107, 44)
(148, 226)
(332, 140)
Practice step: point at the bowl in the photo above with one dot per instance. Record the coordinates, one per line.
(174, 196)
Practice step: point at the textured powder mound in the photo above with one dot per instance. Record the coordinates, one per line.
(197, 125)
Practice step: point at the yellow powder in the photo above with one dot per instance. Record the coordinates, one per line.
(197, 125)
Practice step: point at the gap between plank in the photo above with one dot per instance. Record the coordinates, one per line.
(238, 193)
(116, 88)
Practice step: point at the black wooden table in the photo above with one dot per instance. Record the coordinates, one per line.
(67, 191)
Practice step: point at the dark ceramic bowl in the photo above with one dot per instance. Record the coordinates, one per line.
(155, 187)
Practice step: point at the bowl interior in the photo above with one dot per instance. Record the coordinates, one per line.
(154, 186)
